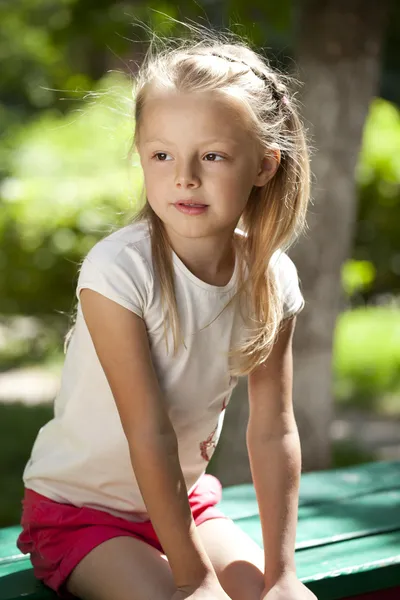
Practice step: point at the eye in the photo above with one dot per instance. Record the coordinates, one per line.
(214, 154)
(160, 154)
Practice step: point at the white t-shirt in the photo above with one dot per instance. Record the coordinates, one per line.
(81, 456)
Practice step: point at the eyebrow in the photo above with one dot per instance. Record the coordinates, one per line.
(204, 142)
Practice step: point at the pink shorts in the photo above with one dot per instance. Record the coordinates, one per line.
(57, 536)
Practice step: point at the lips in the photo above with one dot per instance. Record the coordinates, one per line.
(190, 202)
(191, 209)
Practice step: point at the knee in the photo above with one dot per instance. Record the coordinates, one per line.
(242, 580)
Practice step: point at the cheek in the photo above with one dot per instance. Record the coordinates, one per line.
(239, 182)
(153, 181)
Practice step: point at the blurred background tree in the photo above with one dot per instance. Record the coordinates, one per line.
(65, 181)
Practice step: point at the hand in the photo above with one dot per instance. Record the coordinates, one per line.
(288, 587)
(208, 589)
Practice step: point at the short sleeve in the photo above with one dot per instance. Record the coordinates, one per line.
(288, 283)
(123, 277)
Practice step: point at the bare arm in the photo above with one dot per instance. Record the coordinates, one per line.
(274, 453)
(121, 343)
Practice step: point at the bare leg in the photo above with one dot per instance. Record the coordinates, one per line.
(122, 568)
(238, 561)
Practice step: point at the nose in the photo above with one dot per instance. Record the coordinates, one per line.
(186, 177)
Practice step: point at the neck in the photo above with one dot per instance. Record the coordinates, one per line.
(211, 259)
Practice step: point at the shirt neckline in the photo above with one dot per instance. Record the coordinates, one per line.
(203, 284)
(199, 282)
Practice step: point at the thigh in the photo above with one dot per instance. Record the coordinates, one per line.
(122, 568)
(238, 561)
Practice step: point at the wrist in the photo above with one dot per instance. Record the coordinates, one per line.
(209, 578)
(194, 567)
(273, 576)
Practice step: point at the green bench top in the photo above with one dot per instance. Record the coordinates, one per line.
(348, 535)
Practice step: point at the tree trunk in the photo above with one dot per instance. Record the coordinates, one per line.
(338, 57)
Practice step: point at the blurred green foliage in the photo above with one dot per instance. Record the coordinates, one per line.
(30, 341)
(377, 234)
(70, 181)
(366, 359)
(357, 276)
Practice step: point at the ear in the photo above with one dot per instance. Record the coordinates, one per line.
(268, 167)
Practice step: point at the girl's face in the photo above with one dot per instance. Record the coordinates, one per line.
(196, 148)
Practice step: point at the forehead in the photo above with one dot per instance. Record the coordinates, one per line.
(196, 115)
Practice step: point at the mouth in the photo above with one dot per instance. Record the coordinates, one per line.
(190, 203)
(191, 208)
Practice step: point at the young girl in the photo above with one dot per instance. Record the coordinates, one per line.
(172, 309)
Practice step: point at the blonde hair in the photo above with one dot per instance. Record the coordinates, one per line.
(275, 214)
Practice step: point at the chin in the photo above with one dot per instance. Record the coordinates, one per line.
(191, 229)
